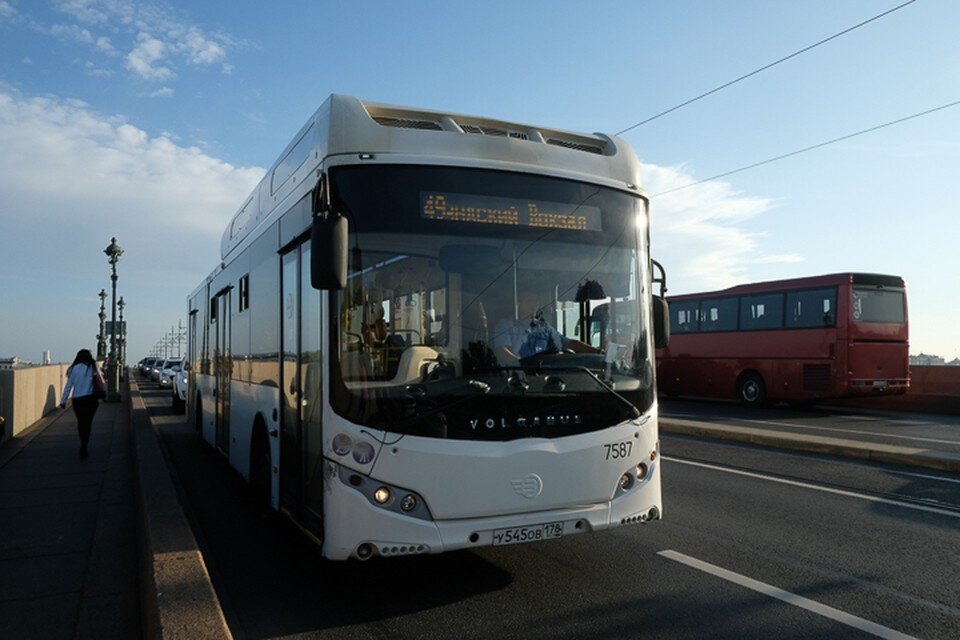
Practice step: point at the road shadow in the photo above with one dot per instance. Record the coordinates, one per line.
(271, 579)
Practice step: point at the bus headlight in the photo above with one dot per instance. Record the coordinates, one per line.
(408, 503)
(383, 496)
(626, 482)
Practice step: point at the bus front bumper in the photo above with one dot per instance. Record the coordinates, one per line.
(356, 529)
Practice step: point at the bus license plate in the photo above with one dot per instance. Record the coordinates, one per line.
(516, 535)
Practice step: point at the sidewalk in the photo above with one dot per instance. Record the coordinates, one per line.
(68, 544)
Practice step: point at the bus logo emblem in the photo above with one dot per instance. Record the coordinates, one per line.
(529, 487)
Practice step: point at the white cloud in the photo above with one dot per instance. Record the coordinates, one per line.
(71, 32)
(92, 70)
(85, 11)
(160, 39)
(142, 59)
(7, 10)
(698, 234)
(95, 159)
(71, 178)
(198, 48)
(165, 92)
(103, 44)
(152, 38)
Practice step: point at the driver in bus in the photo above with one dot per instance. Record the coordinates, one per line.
(531, 334)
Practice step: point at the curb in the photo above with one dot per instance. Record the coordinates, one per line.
(876, 452)
(177, 598)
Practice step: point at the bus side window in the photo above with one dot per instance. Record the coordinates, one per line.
(685, 317)
(813, 308)
(718, 314)
(761, 312)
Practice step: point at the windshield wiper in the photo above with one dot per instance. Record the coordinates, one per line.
(418, 392)
(634, 412)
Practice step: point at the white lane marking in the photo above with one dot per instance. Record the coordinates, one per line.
(785, 596)
(925, 476)
(834, 429)
(804, 485)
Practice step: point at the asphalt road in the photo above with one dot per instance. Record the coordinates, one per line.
(941, 433)
(754, 543)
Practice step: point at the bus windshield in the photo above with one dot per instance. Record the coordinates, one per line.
(485, 305)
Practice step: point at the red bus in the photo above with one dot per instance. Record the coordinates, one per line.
(798, 340)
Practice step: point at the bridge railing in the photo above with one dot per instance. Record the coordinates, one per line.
(28, 394)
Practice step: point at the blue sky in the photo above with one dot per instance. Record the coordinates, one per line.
(151, 121)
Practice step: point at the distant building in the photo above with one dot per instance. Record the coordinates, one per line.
(924, 360)
(46, 357)
(14, 363)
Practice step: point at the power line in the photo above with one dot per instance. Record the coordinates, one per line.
(810, 148)
(765, 67)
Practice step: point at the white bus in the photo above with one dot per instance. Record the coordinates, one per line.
(348, 354)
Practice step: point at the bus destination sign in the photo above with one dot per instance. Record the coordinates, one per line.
(459, 207)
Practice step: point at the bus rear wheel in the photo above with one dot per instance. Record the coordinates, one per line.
(751, 390)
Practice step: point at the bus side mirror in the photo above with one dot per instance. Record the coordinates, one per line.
(328, 252)
(661, 323)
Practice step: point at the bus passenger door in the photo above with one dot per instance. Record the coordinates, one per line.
(223, 369)
(311, 387)
(301, 446)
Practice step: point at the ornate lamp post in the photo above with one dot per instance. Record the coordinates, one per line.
(122, 339)
(101, 338)
(113, 371)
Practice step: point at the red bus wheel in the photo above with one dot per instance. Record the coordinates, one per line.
(751, 390)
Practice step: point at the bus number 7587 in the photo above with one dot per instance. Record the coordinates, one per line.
(618, 450)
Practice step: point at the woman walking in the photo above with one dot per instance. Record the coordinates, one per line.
(80, 379)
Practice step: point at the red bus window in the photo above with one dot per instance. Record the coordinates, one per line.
(761, 312)
(718, 314)
(813, 308)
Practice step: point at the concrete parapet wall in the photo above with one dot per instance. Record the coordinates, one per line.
(937, 381)
(932, 390)
(28, 394)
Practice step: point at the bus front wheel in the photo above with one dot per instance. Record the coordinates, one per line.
(751, 390)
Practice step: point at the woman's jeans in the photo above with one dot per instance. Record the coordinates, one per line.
(85, 407)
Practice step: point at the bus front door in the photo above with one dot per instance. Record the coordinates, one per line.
(290, 437)
(301, 451)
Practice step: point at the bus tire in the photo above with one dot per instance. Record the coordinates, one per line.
(751, 390)
(261, 476)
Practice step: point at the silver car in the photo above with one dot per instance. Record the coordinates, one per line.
(180, 390)
(168, 370)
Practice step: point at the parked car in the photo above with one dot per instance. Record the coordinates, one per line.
(168, 370)
(180, 390)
